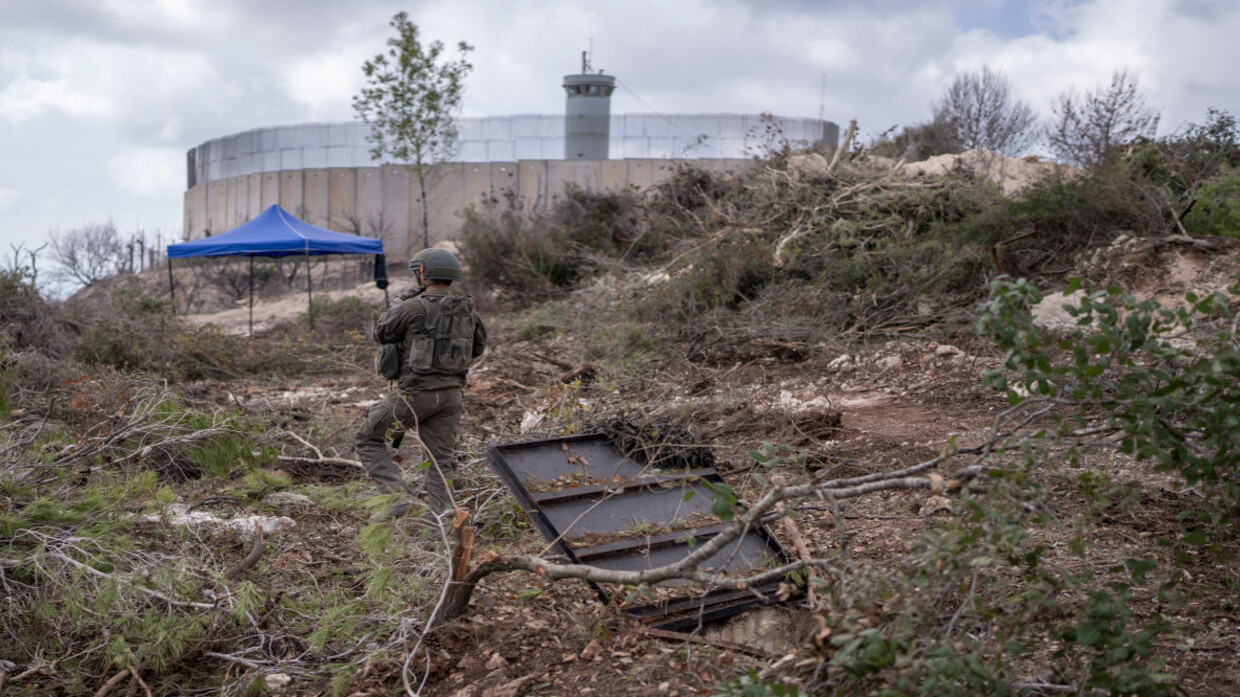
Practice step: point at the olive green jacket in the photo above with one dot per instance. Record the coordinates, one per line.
(400, 324)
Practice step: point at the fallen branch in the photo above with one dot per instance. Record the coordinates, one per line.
(553, 361)
(798, 542)
(848, 136)
(113, 682)
(236, 659)
(250, 559)
(142, 683)
(319, 458)
(154, 594)
(584, 372)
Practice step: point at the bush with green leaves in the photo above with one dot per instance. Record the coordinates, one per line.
(1216, 209)
(1160, 384)
(985, 604)
(574, 239)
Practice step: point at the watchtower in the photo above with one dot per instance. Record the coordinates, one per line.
(587, 110)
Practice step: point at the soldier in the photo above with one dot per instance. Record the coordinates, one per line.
(436, 334)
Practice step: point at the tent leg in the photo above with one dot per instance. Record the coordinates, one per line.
(309, 295)
(251, 296)
(172, 292)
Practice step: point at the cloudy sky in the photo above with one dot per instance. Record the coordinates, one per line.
(100, 99)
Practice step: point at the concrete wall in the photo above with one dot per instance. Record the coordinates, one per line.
(385, 201)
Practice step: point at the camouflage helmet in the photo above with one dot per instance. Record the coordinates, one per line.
(436, 265)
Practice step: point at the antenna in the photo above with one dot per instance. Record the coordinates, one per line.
(585, 63)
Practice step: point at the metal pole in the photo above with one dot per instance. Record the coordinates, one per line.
(172, 292)
(309, 295)
(251, 296)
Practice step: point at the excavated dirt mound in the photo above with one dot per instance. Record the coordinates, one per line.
(1014, 174)
(1162, 269)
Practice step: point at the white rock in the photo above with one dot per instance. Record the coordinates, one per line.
(245, 526)
(531, 420)
(288, 498)
(934, 504)
(947, 350)
(811, 165)
(178, 515)
(840, 362)
(889, 362)
(275, 681)
(1049, 312)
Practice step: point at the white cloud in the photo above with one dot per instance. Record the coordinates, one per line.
(148, 171)
(1183, 59)
(93, 80)
(101, 98)
(8, 197)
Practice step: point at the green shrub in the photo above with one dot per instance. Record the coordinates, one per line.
(626, 346)
(559, 248)
(1216, 210)
(540, 321)
(332, 316)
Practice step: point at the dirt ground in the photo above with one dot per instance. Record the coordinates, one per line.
(874, 407)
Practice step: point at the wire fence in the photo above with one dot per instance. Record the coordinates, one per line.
(508, 139)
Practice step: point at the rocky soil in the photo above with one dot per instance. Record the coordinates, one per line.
(861, 410)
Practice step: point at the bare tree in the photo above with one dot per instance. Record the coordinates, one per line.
(26, 261)
(1088, 129)
(90, 253)
(978, 111)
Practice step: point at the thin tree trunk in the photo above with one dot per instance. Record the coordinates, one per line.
(426, 221)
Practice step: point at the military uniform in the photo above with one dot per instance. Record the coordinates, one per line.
(427, 397)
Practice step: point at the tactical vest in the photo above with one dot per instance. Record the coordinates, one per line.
(445, 344)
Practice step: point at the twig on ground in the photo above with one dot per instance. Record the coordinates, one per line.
(252, 557)
(113, 682)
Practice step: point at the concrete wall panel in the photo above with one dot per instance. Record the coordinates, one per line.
(382, 202)
(271, 189)
(396, 183)
(254, 182)
(532, 186)
(238, 201)
(641, 173)
(449, 192)
(371, 214)
(217, 207)
(291, 183)
(614, 175)
(475, 184)
(194, 220)
(314, 187)
(503, 181)
(342, 201)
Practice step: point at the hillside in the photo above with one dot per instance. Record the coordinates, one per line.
(1048, 504)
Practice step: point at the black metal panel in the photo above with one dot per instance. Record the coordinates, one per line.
(594, 505)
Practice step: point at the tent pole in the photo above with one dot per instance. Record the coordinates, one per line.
(172, 292)
(251, 296)
(309, 295)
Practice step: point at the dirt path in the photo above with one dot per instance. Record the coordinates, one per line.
(287, 308)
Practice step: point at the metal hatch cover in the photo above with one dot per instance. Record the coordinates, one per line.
(597, 506)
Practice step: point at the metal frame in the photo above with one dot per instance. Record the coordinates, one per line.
(536, 462)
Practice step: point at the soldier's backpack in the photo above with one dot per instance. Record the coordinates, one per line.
(445, 344)
(389, 360)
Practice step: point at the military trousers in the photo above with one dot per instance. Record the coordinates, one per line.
(435, 417)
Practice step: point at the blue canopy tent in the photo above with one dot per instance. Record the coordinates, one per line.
(277, 233)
